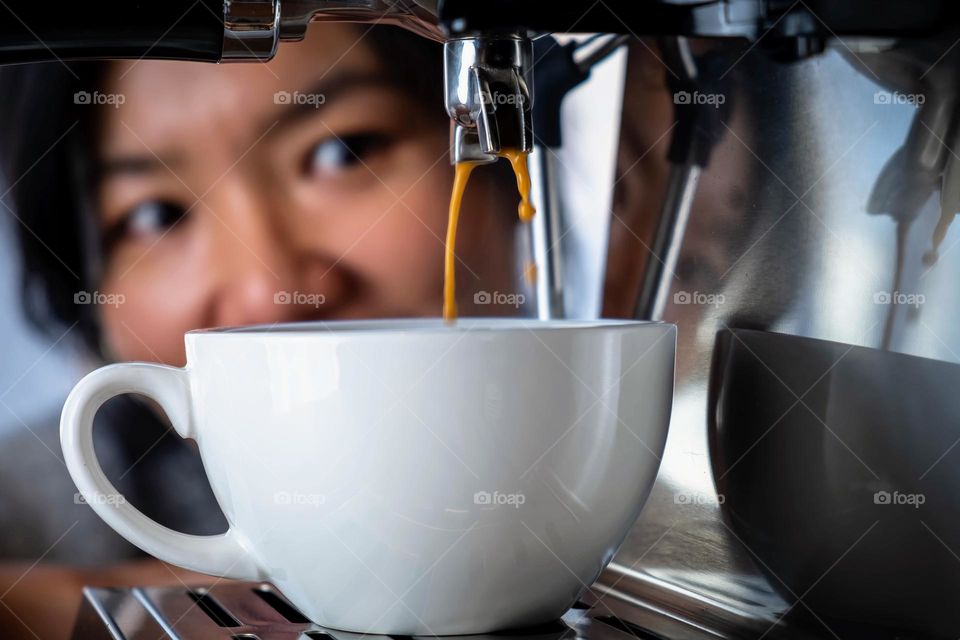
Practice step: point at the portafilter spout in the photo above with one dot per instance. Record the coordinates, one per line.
(489, 95)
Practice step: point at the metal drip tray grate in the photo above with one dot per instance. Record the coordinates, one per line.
(252, 611)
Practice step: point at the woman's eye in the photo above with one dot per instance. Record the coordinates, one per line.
(339, 153)
(147, 219)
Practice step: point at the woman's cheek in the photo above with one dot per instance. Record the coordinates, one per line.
(422, 218)
(402, 256)
(156, 306)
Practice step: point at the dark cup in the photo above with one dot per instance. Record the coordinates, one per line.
(838, 466)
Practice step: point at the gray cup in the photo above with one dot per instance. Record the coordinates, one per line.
(839, 469)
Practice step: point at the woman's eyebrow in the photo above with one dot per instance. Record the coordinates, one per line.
(300, 104)
(134, 165)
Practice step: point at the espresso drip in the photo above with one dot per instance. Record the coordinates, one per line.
(526, 211)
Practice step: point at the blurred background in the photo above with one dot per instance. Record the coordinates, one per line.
(35, 372)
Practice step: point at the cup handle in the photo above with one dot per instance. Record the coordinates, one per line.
(221, 555)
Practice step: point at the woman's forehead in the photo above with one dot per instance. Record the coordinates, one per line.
(164, 99)
(326, 48)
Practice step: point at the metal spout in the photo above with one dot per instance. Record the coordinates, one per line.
(489, 81)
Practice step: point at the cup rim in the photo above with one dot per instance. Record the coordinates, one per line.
(423, 326)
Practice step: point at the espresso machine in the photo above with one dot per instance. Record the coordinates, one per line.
(812, 155)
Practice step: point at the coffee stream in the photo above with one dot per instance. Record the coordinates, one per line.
(461, 175)
(462, 171)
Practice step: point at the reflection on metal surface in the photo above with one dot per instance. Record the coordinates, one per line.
(547, 233)
(419, 16)
(851, 470)
(489, 82)
(780, 238)
(251, 610)
(251, 29)
(668, 241)
(694, 136)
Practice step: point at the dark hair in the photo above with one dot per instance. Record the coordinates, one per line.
(47, 147)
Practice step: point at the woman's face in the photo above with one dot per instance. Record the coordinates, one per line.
(309, 187)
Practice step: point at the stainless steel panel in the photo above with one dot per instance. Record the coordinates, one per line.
(783, 238)
(158, 613)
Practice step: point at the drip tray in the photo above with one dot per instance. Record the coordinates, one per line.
(254, 611)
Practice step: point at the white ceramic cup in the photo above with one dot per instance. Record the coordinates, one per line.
(405, 477)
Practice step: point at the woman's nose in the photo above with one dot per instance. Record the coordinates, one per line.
(259, 268)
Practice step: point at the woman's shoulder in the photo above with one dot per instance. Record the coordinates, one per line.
(42, 514)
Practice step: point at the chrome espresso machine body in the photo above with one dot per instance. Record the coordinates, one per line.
(791, 243)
